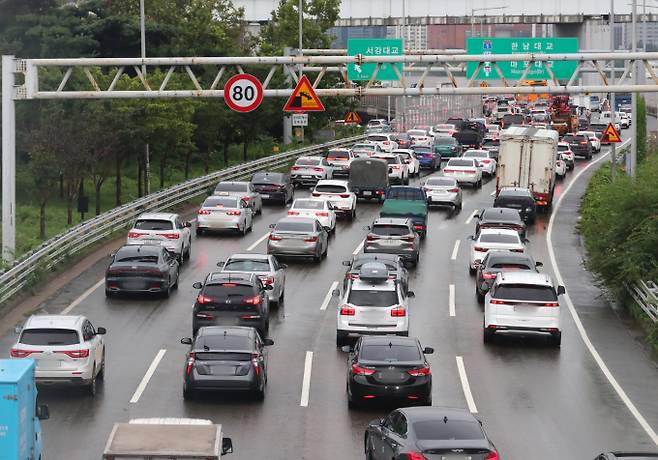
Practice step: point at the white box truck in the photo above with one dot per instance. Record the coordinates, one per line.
(527, 159)
(167, 438)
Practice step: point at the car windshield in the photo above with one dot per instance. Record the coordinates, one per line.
(491, 143)
(372, 298)
(445, 140)
(49, 337)
(498, 238)
(308, 204)
(439, 430)
(220, 202)
(213, 356)
(501, 214)
(247, 265)
(232, 187)
(336, 154)
(300, 227)
(154, 224)
(460, 163)
(441, 182)
(390, 230)
(417, 132)
(527, 292)
(330, 188)
(308, 161)
(377, 138)
(422, 150)
(364, 147)
(390, 353)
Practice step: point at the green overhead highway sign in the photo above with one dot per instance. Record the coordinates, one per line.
(514, 69)
(374, 47)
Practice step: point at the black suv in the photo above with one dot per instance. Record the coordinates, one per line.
(520, 199)
(274, 186)
(580, 145)
(498, 218)
(232, 299)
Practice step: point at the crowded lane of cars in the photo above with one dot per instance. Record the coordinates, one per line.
(416, 298)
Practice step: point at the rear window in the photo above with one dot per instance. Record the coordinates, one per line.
(501, 214)
(49, 337)
(368, 298)
(390, 230)
(222, 291)
(136, 258)
(438, 430)
(224, 342)
(327, 188)
(475, 155)
(562, 148)
(525, 292)
(511, 266)
(496, 238)
(389, 160)
(248, 265)
(390, 266)
(302, 227)
(393, 353)
(377, 138)
(209, 356)
(308, 204)
(441, 182)
(364, 147)
(308, 161)
(263, 178)
(445, 140)
(460, 163)
(231, 187)
(417, 132)
(405, 194)
(217, 202)
(154, 224)
(491, 143)
(332, 155)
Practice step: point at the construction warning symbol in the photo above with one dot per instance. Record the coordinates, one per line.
(484, 84)
(610, 134)
(352, 117)
(303, 98)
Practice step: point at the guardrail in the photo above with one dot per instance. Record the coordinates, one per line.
(646, 296)
(59, 248)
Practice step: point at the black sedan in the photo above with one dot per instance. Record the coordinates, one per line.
(498, 218)
(274, 186)
(500, 261)
(428, 433)
(140, 268)
(520, 199)
(388, 368)
(228, 358)
(394, 263)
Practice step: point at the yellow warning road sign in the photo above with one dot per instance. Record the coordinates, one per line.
(303, 98)
(352, 117)
(484, 84)
(610, 134)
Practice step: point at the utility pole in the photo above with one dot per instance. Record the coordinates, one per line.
(8, 161)
(301, 36)
(147, 153)
(632, 158)
(613, 146)
(404, 45)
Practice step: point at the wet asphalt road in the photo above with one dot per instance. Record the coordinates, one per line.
(535, 401)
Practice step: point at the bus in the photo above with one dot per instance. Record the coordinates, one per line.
(529, 98)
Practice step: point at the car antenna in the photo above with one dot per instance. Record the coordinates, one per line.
(390, 344)
(445, 419)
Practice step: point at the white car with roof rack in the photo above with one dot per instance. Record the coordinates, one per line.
(166, 229)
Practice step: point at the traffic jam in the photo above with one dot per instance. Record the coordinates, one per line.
(525, 148)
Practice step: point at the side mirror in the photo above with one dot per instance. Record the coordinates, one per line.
(221, 264)
(42, 412)
(101, 331)
(411, 294)
(428, 350)
(561, 290)
(283, 266)
(268, 287)
(18, 329)
(335, 292)
(539, 264)
(197, 285)
(112, 254)
(268, 342)
(347, 348)
(188, 224)
(186, 341)
(272, 226)
(526, 240)
(367, 227)
(227, 446)
(347, 263)
(470, 237)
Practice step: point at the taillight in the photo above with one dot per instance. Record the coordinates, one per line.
(351, 276)
(16, 353)
(190, 364)
(254, 362)
(419, 227)
(379, 192)
(583, 142)
(316, 194)
(344, 195)
(492, 456)
(480, 249)
(398, 311)
(232, 213)
(135, 234)
(470, 171)
(322, 214)
(448, 170)
(318, 169)
(311, 239)
(372, 237)
(486, 162)
(293, 213)
(358, 370)
(171, 236)
(415, 456)
(202, 299)
(550, 304)
(346, 310)
(266, 279)
(255, 300)
(419, 372)
(395, 166)
(75, 354)
(386, 142)
(498, 302)
(409, 237)
(453, 190)
(295, 168)
(203, 212)
(246, 198)
(488, 275)
(275, 238)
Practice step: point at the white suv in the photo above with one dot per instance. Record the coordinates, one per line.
(384, 140)
(372, 304)
(67, 349)
(165, 229)
(523, 302)
(338, 193)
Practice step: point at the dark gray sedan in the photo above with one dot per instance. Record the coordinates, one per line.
(298, 236)
(142, 268)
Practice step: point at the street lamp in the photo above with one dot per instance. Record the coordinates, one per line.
(474, 10)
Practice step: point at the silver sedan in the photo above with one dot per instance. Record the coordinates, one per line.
(241, 189)
(266, 267)
(443, 191)
(298, 236)
(224, 213)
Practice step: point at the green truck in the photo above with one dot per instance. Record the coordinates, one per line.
(407, 202)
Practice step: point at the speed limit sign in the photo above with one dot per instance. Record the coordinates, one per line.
(243, 92)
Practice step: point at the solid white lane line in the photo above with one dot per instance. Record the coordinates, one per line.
(576, 318)
(455, 250)
(306, 382)
(358, 248)
(451, 299)
(193, 220)
(327, 298)
(82, 297)
(149, 373)
(259, 241)
(470, 218)
(465, 385)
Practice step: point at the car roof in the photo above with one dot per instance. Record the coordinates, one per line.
(310, 198)
(148, 248)
(391, 221)
(363, 285)
(420, 413)
(273, 175)
(386, 339)
(364, 256)
(309, 157)
(492, 213)
(498, 231)
(303, 220)
(525, 277)
(54, 322)
(157, 216)
(508, 256)
(228, 330)
(229, 277)
(332, 182)
(242, 182)
(249, 256)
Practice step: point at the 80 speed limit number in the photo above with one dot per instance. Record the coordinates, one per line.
(243, 92)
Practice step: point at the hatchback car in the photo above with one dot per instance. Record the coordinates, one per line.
(408, 157)
(298, 236)
(567, 154)
(383, 140)
(67, 349)
(594, 140)
(444, 191)
(437, 433)
(265, 267)
(490, 239)
(498, 217)
(315, 208)
(393, 368)
(338, 193)
(366, 150)
(225, 358)
(427, 156)
(579, 145)
(232, 299)
(393, 236)
(219, 213)
(166, 229)
(420, 137)
(485, 160)
(500, 261)
(243, 190)
(373, 304)
(520, 199)
(274, 186)
(340, 160)
(398, 171)
(560, 167)
(394, 264)
(309, 170)
(523, 302)
(493, 146)
(447, 146)
(137, 268)
(464, 170)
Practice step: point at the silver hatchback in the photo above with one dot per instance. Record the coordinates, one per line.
(443, 191)
(266, 267)
(393, 236)
(241, 189)
(298, 236)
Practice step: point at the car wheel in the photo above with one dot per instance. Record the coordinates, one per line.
(188, 253)
(244, 229)
(91, 387)
(251, 227)
(427, 401)
(479, 295)
(177, 279)
(199, 231)
(341, 340)
(479, 184)
(260, 393)
(368, 449)
(166, 293)
(352, 215)
(406, 181)
(109, 294)
(487, 335)
(556, 339)
(188, 394)
(101, 373)
(326, 249)
(471, 271)
(317, 256)
(351, 402)
(281, 299)
(260, 209)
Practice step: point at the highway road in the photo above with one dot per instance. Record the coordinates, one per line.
(535, 401)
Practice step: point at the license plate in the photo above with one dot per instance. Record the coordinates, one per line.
(367, 193)
(262, 195)
(456, 457)
(223, 194)
(49, 364)
(389, 242)
(306, 177)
